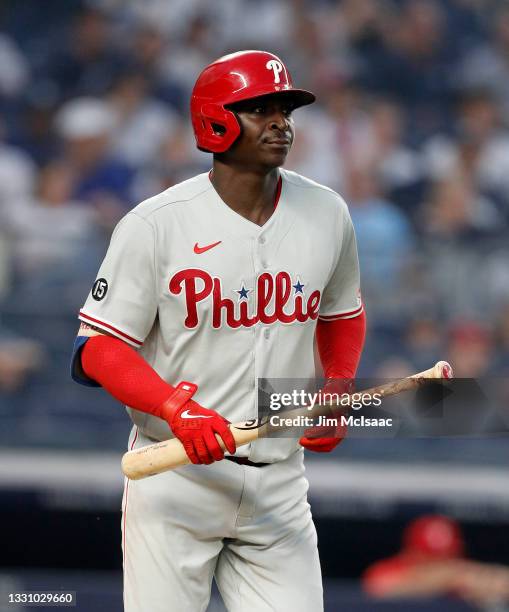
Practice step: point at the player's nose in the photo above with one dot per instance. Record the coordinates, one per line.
(278, 120)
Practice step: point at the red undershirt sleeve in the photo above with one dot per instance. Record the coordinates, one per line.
(340, 343)
(124, 374)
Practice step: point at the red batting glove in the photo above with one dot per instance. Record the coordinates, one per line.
(196, 427)
(324, 439)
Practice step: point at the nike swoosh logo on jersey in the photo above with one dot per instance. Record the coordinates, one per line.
(199, 250)
(187, 415)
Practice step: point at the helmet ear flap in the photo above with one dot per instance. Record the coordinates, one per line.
(211, 118)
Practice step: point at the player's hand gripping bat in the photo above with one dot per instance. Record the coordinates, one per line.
(169, 454)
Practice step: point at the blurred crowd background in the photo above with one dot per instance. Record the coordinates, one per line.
(411, 127)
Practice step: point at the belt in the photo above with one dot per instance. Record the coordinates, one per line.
(244, 461)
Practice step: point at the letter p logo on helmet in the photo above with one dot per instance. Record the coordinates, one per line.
(277, 67)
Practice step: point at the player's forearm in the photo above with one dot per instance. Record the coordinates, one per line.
(131, 380)
(120, 370)
(340, 345)
(483, 583)
(423, 580)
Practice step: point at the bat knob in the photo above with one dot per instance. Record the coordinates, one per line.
(445, 370)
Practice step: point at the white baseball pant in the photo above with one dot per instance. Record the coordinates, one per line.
(250, 527)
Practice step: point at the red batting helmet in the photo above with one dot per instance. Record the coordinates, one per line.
(434, 536)
(232, 78)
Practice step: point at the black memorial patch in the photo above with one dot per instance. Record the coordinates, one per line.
(99, 289)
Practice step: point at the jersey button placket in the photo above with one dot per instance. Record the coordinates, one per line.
(257, 329)
(261, 255)
(262, 333)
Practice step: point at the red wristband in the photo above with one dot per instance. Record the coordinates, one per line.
(182, 393)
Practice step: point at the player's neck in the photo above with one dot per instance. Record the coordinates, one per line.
(248, 193)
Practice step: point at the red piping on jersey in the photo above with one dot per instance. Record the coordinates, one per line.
(278, 189)
(125, 505)
(114, 329)
(351, 314)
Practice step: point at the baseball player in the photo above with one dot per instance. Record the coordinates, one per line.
(432, 563)
(218, 281)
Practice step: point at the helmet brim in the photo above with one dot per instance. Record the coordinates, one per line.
(299, 97)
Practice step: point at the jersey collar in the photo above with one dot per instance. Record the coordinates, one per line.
(242, 226)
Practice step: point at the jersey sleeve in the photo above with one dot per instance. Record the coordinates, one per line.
(123, 300)
(342, 297)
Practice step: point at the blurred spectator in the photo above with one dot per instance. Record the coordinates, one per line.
(17, 175)
(33, 129)
(384, 236)
(362, 23)
(311, 60)
(401, 169)
(346, 107)
(53, 239)
(486, 66)
(15, 72)
(424, 342)
(431, 564)
(256, 24)
(19, 358)
(426, 540)
(386, 246)
(393, 368)
(148, 52)
(470, 348)
(352, 37)
(314, 152)
(171, 18)
(182, 63)
(146, 48)
(330, 139)
(455, 211)
(86, 127)
(141, 122)
(481, 151)
(86, 61)
(177, 159)
(414, 64)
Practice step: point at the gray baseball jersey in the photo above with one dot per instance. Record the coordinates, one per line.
(210, 297)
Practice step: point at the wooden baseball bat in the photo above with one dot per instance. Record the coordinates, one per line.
(169, 454)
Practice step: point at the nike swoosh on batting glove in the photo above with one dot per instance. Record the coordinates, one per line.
(196, 427)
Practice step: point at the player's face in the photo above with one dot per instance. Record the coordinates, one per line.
(267, 131)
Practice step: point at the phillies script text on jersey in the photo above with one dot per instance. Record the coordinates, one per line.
(271, 291)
